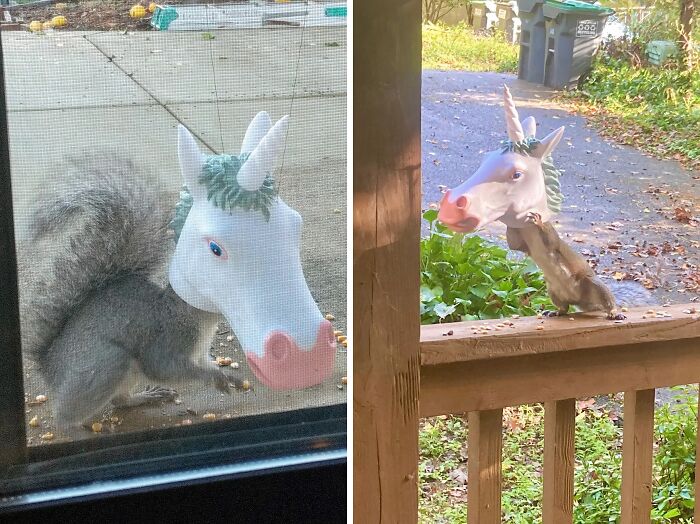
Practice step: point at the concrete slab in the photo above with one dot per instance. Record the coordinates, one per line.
(62, 70)
(236, 65)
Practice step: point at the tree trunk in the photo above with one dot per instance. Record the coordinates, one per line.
(686, 26)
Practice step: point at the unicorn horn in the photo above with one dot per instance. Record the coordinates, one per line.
(515, 129)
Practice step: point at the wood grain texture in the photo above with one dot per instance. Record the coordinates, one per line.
(386, 232)
(559, 334)
(558, 474)
(484, 467)
(637, 455)
(496, 383)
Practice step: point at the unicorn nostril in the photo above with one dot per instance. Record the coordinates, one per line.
(278, 346)
(462, 202)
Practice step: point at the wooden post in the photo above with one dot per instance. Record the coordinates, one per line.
(484, 467)
(386, 233)
(637, 448)
(558, 477)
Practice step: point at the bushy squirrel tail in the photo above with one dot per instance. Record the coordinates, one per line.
(631, 294)
(102, 226)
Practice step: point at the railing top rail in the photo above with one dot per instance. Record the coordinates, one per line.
(485, 340)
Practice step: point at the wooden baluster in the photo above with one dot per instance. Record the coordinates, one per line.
(637, 449)
(558, 476)
(484, 467)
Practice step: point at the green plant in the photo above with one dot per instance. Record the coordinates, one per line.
(469, 278)
(458, 48)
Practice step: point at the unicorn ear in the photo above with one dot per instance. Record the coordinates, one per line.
(529, 127)
(548, 143)
(257, 129)
(191, 162)
(263, 160)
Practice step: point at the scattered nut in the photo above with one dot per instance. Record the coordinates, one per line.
(224, 361)
(34, 422)
(650, 311)
(41, 398)
(624, 309)
(344, 380)
(209, 416)
(344, 344)
(329, 316)
(47, 436)
(539, 328)
(229, 338)
(515, 316)
(342, 338)
(96, 427)
(572, 318)
(337, 333)
(235, 365)
(186, 422)
(245, 385)
(115, 419)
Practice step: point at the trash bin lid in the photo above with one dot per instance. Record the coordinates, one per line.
(579, 7)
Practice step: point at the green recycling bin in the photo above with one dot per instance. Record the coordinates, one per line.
(483, 15)
(574, 32)
(533, 41)
(507, 21)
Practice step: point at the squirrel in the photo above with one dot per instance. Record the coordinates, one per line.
(94, 317)
(570, 279)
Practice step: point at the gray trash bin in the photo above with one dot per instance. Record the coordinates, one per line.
(533, 41)
(574, 32)
(507, 21)
(484, 15)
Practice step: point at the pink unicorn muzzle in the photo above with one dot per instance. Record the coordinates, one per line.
(455, 214)
(284, 365)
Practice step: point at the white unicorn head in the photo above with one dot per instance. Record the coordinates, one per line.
(238, 254)
(511, 182)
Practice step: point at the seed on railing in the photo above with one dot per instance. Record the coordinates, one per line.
(96, 427)
(539, 328)
(337, 333)
(515, 316)
(650, 311)
(47, 436)
(329, 316)
(34, 422)
(342, 338)
(224, 361)
(235, 365)
(209, 416)
(344, 380)
(41, 398)
(229, 338)
(624, 309)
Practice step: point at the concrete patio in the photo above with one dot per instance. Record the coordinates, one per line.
(71, 93)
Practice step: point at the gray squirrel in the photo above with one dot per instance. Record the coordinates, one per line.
(94, 316)
(570, 279)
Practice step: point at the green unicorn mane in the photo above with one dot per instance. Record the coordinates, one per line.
(220, 176)
(551, 173)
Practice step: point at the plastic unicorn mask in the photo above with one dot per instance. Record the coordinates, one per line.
(237, 254)
(511, 183)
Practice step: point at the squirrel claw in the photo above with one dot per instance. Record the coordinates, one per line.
(616, 316)
(550, 313)
(533, 218)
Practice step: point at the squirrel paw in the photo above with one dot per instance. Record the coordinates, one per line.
(158, 393)
(533, 218)
(551, 313)
(221, 382)
(616, 316)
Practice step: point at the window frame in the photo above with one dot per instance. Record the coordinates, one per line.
(304, 450)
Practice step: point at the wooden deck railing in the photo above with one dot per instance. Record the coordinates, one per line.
(465, 369)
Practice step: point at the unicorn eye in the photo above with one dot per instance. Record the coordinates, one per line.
(215, 248)
(517, 175)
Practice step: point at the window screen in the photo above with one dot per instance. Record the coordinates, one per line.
(179, 198)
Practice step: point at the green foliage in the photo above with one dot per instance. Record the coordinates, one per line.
(656, 108)
(470, 278)
(598, 463)
(458, 48)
